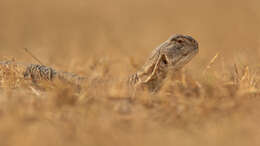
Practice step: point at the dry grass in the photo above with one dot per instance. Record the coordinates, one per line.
(213, 101)
(208, 111)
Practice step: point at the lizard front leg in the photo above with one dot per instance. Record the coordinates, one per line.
(156, 68)
(150, 71)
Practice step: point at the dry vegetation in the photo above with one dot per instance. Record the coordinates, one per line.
(213, 101)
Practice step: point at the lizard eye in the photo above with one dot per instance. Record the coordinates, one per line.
(180, 41)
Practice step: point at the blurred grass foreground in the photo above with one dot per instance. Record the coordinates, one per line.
(213, 101)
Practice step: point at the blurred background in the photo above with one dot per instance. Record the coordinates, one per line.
(54, 29)
(67, 34)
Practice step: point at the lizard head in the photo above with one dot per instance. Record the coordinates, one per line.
(173, 54)
(178, 50)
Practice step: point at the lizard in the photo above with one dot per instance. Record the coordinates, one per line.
(171, 55)
(36, 73)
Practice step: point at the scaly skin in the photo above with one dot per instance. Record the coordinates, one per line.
(35, 73)
(172, 55)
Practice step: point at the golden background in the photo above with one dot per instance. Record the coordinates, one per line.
(66, 34)
(57, 29)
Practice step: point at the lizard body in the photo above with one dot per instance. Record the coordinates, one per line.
(172, 55)
(35, 73)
